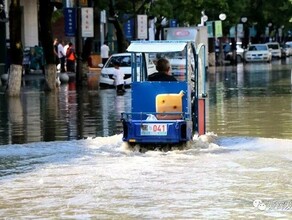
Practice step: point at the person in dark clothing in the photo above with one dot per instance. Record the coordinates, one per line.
(233, 49)
(56, 42)
(163, 74)
(71, 57)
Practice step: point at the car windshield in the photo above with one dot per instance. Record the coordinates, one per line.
(257, 47)
(125, 61)
(273, 46)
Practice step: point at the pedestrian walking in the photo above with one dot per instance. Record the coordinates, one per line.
(119, 78)
(104, 52)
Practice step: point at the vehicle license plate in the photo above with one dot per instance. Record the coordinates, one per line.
(154, 129)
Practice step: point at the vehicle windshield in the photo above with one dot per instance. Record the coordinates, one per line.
(273, 46)
(257, 47)
(125, 61)
(178, 62)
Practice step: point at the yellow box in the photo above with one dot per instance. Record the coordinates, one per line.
(169, 103)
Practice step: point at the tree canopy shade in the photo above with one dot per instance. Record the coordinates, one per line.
(188, 12)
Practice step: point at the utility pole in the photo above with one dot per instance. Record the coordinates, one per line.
(78, 44)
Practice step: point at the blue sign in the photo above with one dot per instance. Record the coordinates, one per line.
(210, 29)
(70, 21)
(252, 31)
(129, 27)
(172, 23)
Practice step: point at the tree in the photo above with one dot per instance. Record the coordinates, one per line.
(116, 11)
(15, 74)
(45, 17)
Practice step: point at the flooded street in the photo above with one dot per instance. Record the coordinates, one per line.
(251, 100)
(62, 157)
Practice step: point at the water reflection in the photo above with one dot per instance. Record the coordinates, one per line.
(66, 115)
(251, 100)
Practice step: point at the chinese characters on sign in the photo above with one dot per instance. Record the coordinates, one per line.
(70, 22)
(142, 29)
(129, 27)
(87, 22)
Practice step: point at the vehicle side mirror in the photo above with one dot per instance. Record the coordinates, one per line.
(100, 65)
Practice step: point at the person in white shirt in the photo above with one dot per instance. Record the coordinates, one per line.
(65, 51)
(118, 77)
(104, 52)
(61, 56)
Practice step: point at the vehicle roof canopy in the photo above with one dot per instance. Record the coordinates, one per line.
(156, 46)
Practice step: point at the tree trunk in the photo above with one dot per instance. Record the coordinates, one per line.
(14, 81)
(46, 38)
(121, 39)
(50, 77)
(158, 27)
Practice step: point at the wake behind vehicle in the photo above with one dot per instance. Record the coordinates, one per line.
(166, 113)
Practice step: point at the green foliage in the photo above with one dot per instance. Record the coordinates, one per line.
(259, 12)
(57, 15)
(188, 12)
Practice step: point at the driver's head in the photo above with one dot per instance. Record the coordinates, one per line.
(163, 65)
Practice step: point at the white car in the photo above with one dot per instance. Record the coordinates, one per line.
(106, 77)
(275, 49)
(258, 53)
(228, 52)
(288, 48)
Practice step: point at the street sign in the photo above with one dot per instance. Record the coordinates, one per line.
(232, 31)
(210, 29)
(240, 31)
(142, 27)
(129, 27)
(218, 29)
(87, 23)
(172, 23)
(70, 21)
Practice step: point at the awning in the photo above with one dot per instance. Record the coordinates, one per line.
(156, 46)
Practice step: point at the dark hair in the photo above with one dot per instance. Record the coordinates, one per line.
(162, 65)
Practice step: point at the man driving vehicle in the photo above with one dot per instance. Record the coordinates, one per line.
(163, 74)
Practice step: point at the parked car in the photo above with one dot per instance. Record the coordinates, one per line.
(258, 53)
(275, 49)
(284, 50)
(287, 49)
(106, 77)
(228, 52)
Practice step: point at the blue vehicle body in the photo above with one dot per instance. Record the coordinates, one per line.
(146, 123)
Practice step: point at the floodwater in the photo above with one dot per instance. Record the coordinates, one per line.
(62, 157)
